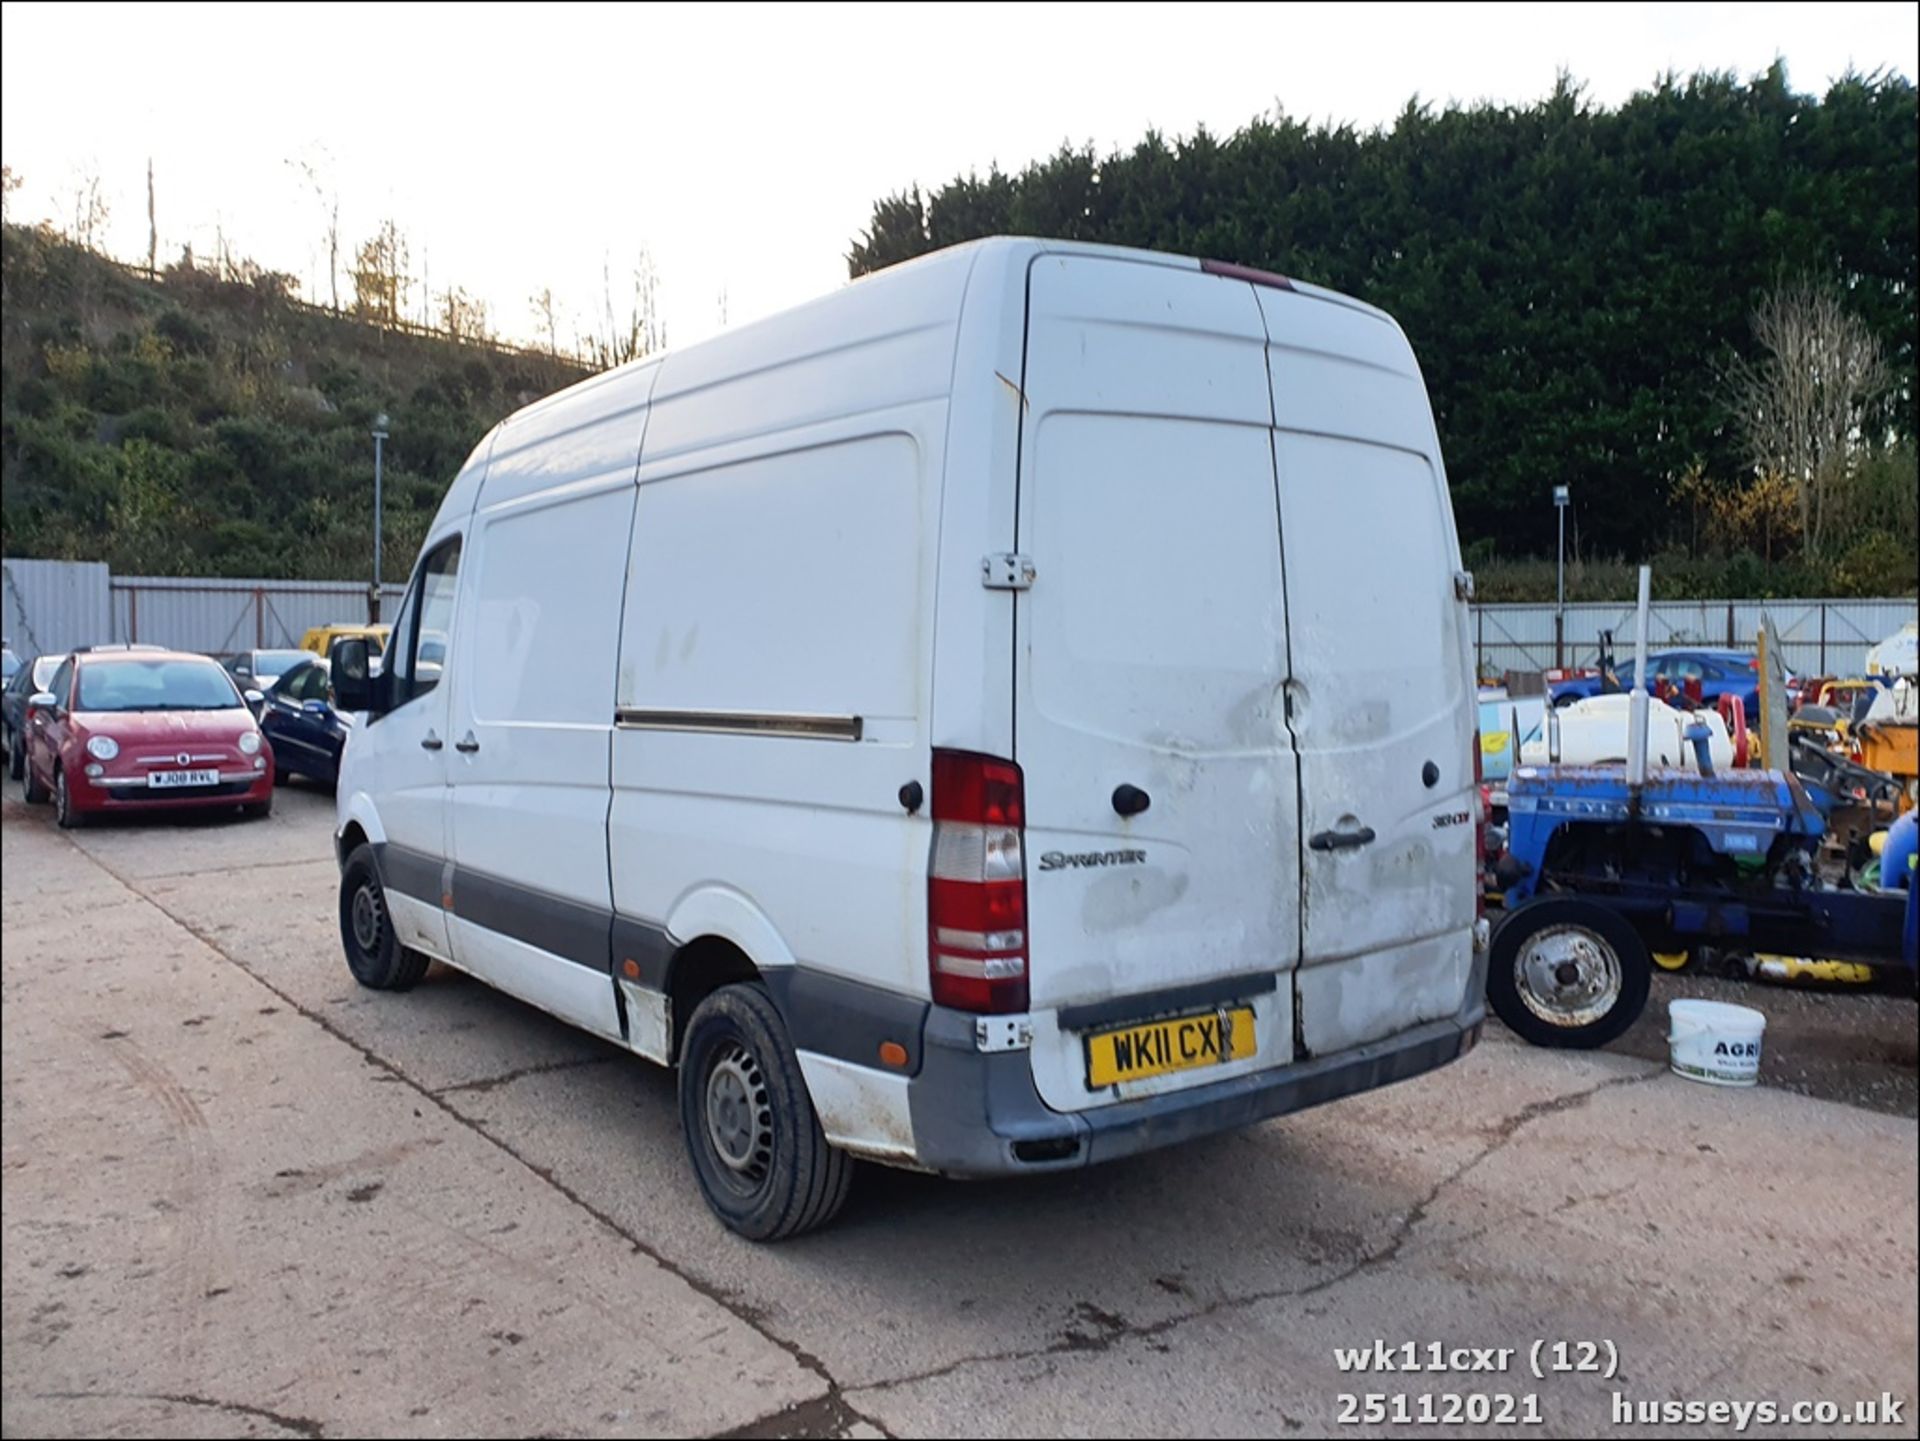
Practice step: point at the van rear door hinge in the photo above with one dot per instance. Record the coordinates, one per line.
(1005, 570)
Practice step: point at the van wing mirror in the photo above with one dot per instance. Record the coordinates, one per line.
(355, 687)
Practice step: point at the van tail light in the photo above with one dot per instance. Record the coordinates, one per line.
(977, 884)
(1481, 806)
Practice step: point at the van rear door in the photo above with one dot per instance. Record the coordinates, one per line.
(1151, 652)
(1380, 700)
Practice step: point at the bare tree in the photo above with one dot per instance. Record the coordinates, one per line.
(1805, 403)
(640, 331)
(90, 210)
(544, 319)
(330, 208)
(380, 275)
(153, 227)
(462, 316)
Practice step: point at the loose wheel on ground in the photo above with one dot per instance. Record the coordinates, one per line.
(1566, 972)
(763, 1164)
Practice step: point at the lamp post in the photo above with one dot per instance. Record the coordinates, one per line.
(1560, 580)
(379, 445)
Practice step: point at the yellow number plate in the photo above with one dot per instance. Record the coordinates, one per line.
(1182, 1044)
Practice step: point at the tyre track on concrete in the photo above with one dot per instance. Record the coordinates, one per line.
(196, 1197)
(831, 1415)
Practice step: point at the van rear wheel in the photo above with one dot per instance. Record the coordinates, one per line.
(762, 1162)
(374, 953)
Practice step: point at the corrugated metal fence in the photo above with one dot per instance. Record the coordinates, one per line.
(229, 615)
(50, 606)
(56, 605)
(1817, 637)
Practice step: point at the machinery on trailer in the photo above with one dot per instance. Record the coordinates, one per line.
(1606, 864)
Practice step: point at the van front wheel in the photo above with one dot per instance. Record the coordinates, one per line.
(374, 953)
(762, 1161)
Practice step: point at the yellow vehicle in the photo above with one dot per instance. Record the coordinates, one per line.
(1847, 699)
(321, 638)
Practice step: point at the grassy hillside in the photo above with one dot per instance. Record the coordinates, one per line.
(197, 426)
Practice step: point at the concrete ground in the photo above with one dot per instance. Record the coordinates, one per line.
(243, 1196)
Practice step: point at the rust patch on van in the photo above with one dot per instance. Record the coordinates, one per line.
(1014, 388)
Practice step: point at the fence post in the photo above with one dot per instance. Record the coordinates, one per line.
(1731, 643)
(1479, 643)
(1823, 637)
(259, 616)
(133, 614)
(1559, 641)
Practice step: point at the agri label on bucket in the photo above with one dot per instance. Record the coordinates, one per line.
(1714, 1042)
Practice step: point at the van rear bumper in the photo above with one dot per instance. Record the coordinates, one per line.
(978, 1114)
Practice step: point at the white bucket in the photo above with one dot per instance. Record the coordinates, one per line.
(1713, 1042)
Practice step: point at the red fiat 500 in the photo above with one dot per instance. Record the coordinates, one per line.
(124, 730)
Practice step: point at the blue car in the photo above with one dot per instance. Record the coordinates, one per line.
(306, 732)
(1720, 672)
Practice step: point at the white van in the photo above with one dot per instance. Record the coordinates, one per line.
(1012, 713)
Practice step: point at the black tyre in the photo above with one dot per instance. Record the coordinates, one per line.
(281, 775)
(1566, 972)
(374, 953)
(36, 794)
(16, 757)
(258, 810)
(63, 812)
(756, 1145)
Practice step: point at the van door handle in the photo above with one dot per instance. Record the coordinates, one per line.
(1341, 840)
(467, 745)
(430, 742)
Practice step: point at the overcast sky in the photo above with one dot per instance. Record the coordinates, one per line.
(518, 145)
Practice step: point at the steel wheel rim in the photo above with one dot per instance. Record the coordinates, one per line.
(739, 1117)
(369, 917)
(1568, 976)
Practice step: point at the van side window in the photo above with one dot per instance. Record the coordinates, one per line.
(421, 636)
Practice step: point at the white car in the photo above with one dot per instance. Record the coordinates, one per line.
(1594, 732)
(968, 678)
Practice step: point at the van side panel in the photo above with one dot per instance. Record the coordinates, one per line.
(532, 717)
(775, 663)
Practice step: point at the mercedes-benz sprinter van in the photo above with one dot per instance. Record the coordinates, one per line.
(1014, 712)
